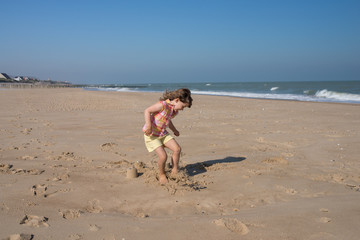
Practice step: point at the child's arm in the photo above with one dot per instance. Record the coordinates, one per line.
(173, 128)
(147, 114)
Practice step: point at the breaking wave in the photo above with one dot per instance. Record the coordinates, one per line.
(349, 97)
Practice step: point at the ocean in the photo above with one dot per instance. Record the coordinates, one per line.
(313, 91)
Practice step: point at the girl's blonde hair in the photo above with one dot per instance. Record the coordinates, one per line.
(183, 94)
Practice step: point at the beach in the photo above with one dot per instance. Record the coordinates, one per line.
(250, 168)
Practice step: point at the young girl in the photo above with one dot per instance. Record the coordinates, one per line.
(157, 119)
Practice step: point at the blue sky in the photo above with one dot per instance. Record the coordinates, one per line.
(153, 41)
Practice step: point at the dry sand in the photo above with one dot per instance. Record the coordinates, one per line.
(251, 169)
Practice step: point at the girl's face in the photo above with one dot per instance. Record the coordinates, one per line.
(179, 105)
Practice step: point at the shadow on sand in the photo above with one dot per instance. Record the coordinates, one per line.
(200, 167)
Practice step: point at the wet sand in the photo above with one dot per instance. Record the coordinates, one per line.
(251, 169)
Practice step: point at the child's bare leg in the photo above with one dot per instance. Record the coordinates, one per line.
(176, 149)
(175, 163)
(160, 151)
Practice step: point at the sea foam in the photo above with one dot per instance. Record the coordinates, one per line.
(337, 95)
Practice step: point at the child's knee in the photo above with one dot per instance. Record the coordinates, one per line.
(177, 150)
(162, 155)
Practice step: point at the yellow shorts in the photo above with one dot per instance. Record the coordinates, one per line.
(152, 142)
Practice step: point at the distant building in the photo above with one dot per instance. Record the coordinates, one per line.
(19, 78)
(4, 76)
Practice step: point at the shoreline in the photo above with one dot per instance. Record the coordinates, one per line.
(91, 88)
(250, 168)
(315, 91)
(224, 95)
(51, 86)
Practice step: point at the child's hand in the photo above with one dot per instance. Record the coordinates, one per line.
(176, 133)
(148, 131)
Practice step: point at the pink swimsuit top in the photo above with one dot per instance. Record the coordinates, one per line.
(160, 121)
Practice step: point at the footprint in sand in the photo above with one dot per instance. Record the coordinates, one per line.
(107, 147)
(69, 156)
(338, 178)
(23, 171)
(289, 191)
(276, 160)
(232, 224)
(27, 131)
(21, 236)
(324, 220)
(39, 189)
(34, 221)
(93, 206)
(4, 168)
(94, 228)
(8, 168)
(353, 185)
(75, 237)
(14, 148)
(70, 213)
(27, 157)
(111, 147)
(59, 178)
(117, 164)
(34, 171)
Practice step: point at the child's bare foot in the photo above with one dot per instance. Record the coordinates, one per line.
(174, 171)
(163, 179)
(173, 174)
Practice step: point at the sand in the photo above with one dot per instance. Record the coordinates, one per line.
(250, 169)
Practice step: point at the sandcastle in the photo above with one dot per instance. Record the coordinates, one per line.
(132, 173)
